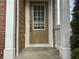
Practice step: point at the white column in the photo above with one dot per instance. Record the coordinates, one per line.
(65, 29)
(9, 51)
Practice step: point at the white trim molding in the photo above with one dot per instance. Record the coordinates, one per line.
(9, 51)
(50, 26)
(17, 37)
(50, 22)
(27, 23)
(39, 45)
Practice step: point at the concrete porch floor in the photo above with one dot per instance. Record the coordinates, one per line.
(39, 53)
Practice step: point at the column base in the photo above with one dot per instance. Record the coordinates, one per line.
(65, 53)
(58, 47)
(9, 53)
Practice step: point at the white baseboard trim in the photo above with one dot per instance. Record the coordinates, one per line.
(9, 53)
(65, 53)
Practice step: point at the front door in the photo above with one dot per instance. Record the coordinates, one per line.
(38, 23)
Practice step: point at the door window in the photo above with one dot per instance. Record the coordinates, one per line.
(38, 16)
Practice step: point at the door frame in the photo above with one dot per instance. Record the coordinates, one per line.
(50, 26)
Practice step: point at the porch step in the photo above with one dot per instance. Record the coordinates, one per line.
(39, 53)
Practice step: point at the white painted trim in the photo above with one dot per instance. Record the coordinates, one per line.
(50, 24)
(39, 45)
(27, 23)
(9, 51)
(17, 38)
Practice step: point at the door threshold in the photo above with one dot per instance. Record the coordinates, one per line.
(39, 45)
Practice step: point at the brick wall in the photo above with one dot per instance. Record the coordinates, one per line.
(2, 24)
(21, 24)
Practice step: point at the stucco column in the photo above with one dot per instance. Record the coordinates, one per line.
(9, 51)
(65, 29)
